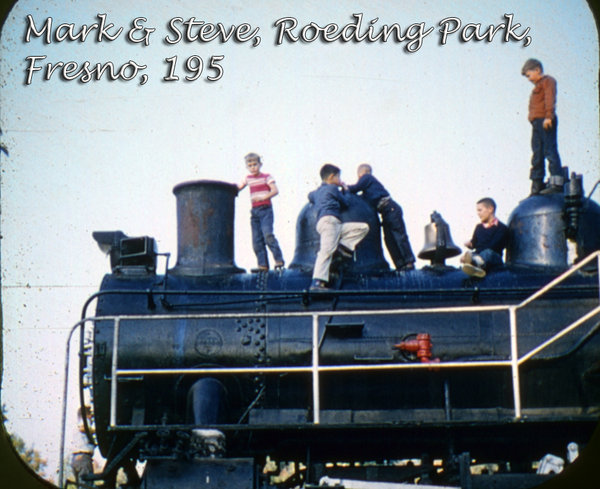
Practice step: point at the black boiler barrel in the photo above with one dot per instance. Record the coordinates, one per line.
(205, 228)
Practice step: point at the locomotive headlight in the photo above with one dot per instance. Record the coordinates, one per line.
(108, 239)
(126, 252)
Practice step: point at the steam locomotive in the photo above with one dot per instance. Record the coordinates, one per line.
(207, 372)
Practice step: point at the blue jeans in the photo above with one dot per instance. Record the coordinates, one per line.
(491, 259)
(545, 147)
(261, 221)
(394, 233)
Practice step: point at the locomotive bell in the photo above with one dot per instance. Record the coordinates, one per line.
(438, 242)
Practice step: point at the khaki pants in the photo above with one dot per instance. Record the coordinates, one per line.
(333, 233)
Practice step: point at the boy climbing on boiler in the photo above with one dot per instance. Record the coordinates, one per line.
(394, 230)
(334, 235)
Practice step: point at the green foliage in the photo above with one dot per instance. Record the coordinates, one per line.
(31, 456)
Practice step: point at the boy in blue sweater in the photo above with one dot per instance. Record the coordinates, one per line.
(488, 242)
(334, 234)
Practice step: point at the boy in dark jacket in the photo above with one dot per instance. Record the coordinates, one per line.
(334, 234)
(488, 242)
(394, 230)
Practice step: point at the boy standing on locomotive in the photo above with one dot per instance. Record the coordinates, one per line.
(542, 115)
(262, 190)
(334, 235)
(394, 230)
(488, 242)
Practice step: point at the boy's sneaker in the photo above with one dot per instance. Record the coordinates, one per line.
(537, 186)
(279, 265)
(473, 270)
(477, 260)
(555, 185)
(552, 189)
(318, 285)
(468, 257)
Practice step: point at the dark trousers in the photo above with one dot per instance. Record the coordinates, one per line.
(545, 147)
(394, 233)
(261, 221)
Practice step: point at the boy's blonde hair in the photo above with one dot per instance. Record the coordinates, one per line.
(253, 156)
(364, 168)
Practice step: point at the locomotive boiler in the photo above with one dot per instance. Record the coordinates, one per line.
(206, 372)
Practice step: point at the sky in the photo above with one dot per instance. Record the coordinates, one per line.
(443, 122)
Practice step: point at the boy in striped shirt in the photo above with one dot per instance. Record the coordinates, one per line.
(262, 190)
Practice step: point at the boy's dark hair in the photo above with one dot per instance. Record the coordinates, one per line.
(328, 169)
(531, 64)
(253, 156)
(488, 202)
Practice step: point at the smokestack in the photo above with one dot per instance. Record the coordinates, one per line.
(205, 237)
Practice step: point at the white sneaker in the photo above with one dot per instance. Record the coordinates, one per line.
(473, 271)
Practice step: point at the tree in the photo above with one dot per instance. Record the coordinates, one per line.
(31, 456)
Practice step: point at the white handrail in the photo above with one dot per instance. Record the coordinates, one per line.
(550, 285)
(514, 362)
(315, 368)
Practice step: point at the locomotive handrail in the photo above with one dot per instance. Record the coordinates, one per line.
(309, 368)
(74, 328)
(240, 315)
(315, 368)
(563, 276)
(560, 334)
(514, 361)
(550, 285)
